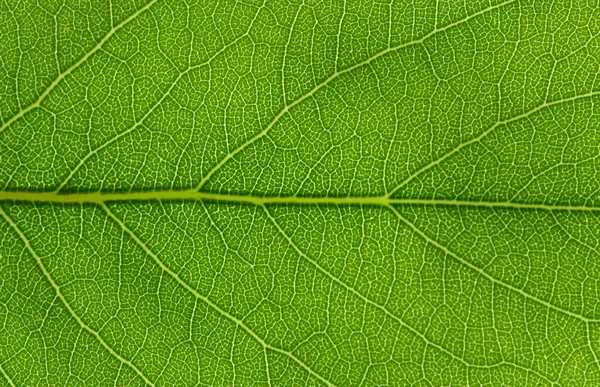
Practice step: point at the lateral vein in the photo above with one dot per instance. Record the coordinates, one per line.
(68, 71)
(484, 134)
(66, 303)
(385, 310)
(486, 275)
(8, 379)
(207, 301)
(331, 78)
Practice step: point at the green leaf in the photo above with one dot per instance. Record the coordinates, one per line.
(314, 193)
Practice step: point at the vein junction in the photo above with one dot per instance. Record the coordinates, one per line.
(167, 195)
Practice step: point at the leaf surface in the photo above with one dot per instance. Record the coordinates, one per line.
(309, 193)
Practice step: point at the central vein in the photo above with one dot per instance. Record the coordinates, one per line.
(167, 195)
(97, 197)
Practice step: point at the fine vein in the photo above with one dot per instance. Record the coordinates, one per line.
(384, 309)
(58, 291)
(203, 298)
(76, 65)
(334, 76)
(485, 274)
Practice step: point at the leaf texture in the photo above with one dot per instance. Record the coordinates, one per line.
(303, 193)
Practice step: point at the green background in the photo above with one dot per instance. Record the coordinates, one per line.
(275, 193)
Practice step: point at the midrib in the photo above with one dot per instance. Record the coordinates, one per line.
(97, 197)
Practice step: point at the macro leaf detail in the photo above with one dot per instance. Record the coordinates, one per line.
(302, 193)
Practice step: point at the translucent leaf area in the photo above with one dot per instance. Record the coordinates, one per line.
(307, 193)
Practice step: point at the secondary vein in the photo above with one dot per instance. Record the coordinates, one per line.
(207, 301)
(486, 275)
(76, 65)
(72, 312)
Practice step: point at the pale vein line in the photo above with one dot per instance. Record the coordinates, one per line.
(484, 134)
(194, 292)
(589, 342)
(582, 243)
(267, 367)
(167, 195)
(334, 76)
(156, 105)
(485, 274)
(592, 248)
(63, 75)
(6, 376)
(66, 303)
(386, 311)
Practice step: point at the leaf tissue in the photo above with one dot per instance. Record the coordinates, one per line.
(300, 193)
